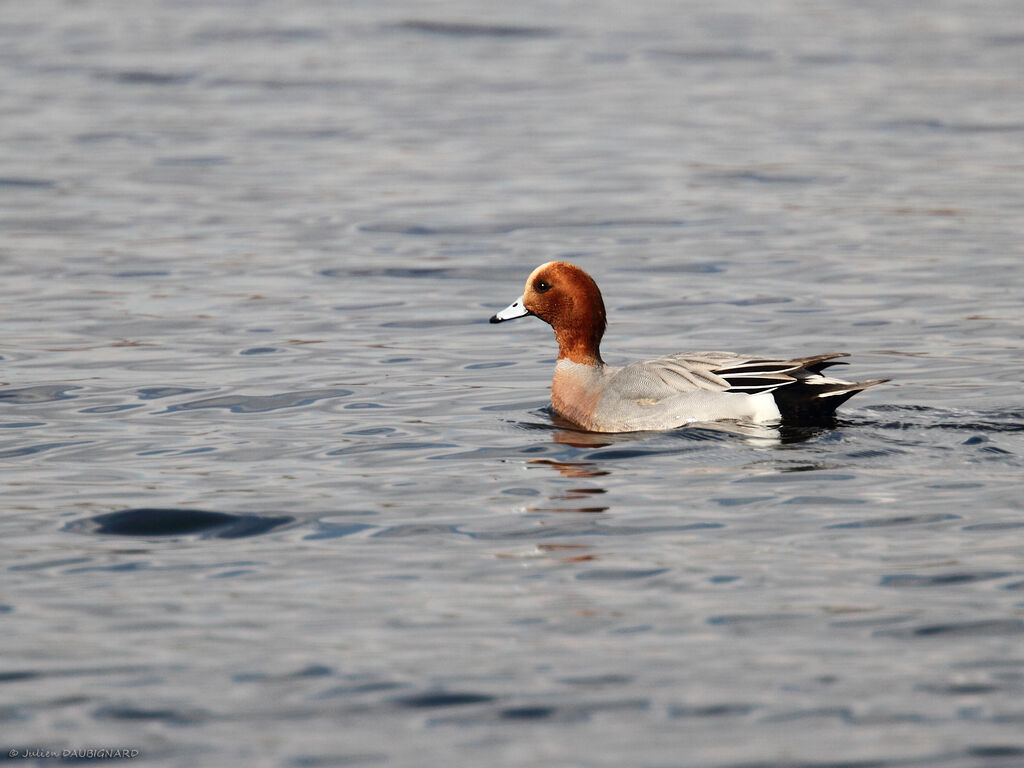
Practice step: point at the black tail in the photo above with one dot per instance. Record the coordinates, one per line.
(806, 402)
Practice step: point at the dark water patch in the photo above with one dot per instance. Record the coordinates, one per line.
(22, 424)
(743, 619)
(119, 568)
(146, 77)
(425, 230)
(30, 450)
(924, 417)
(961, 689)
(176, 717)
(940, 579)
(765, 177)
(943, 126)
(871, 622)
(437, 322)
(299, 83)
(486, 366)
(270, 35)
(710, 710)
(995, 751)
(1008, 39)
(996, 450)
(598, 680)
(500, 453)
(193, 160)
(431, 700)
(50, 564)
(616, 454)
(385, 446)
(885, 522)
(712, 55)
(469, 29)
(758, 301)
(313, 133)
(146, 522)
(18, 677)
(823, 501)
(54, 224)
(844, 714)
(520, 492)
(15, 676)
(45, 393)
(337, 530)
(261, 403)
(361, 689)
(563, 510)
(134, 273)
(874, 453)
(620, 574)
(825, 59)
(25, 182)
(790, 763)
(362, 307)
(533, 712)
(528, 713)
(742, 501)
(412, 273)
(259, 351)
(415, 529)
(337, 760)
(313, 670)
(1003, 663)
(156, 393)
(584, 528)
(965, 629)
(101, 409)
(233, 574)
(102, 137)
(797, 469)
(683, 267)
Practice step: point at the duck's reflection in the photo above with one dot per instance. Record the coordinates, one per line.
(590, 468)
(763, 435)
(572, 469)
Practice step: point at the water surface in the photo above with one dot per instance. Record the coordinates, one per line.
(275, 493)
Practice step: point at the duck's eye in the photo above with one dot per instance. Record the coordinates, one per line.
(542, 286)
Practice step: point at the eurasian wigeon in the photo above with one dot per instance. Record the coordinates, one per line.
(669, 391)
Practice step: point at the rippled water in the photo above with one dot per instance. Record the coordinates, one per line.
(275, 493)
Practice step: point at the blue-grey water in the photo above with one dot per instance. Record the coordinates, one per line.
(275, 493)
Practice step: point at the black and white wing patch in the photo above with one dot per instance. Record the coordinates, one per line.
(753, 376)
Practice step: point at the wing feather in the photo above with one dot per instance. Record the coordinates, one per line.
(717, 372)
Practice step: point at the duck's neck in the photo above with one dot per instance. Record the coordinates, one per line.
(579, 326)
(575, 347)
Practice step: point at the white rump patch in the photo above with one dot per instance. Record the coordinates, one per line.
(765, 408)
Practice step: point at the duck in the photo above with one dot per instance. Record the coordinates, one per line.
(671, 391)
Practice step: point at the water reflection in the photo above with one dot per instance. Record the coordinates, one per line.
(753, 434)
(572, 469)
